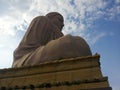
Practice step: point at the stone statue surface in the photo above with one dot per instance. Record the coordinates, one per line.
(44, 41)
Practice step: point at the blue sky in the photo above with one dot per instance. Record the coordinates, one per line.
(97, 21)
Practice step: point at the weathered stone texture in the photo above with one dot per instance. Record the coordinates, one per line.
(82, 73)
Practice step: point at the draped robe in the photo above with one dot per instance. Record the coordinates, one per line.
(39, 33)
(44, 42)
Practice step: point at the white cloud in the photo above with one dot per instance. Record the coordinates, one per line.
(97, 37)
(113, 13)
(1, 46)
(82, 13)
(117, 1)
(5, 26)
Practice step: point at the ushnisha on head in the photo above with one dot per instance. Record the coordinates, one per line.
(56, 18)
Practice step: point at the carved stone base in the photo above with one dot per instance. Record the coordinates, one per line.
(81, 73)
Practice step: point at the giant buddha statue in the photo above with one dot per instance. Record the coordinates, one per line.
(45, 42)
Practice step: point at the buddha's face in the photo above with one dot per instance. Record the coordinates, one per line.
(57, 19)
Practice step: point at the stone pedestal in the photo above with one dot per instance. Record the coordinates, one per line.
(81, 73)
